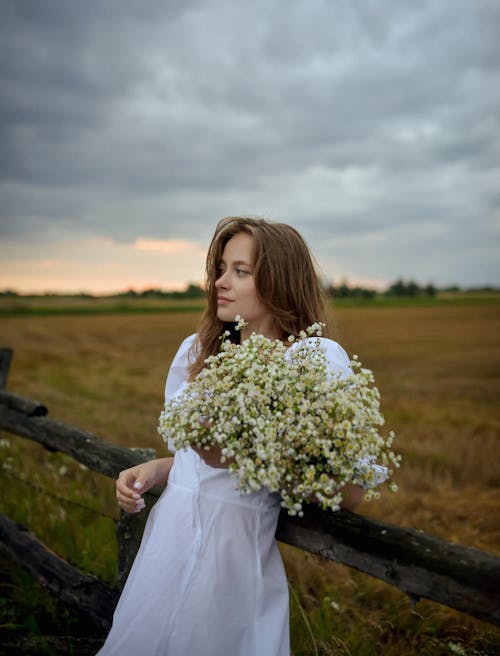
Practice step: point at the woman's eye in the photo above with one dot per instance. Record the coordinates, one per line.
(240, 272)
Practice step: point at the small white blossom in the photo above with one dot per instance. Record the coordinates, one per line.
(240, 323)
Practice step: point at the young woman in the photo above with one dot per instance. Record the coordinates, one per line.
(208, 579)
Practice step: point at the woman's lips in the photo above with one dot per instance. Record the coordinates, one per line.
(221, 300)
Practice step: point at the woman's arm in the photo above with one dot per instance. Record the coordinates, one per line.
(352, 496)
(141, 477)
(212, 456)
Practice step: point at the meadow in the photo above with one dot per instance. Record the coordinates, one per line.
(437, 367)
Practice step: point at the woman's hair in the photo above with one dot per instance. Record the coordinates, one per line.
(285, 280)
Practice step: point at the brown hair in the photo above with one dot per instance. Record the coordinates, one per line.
(285, 280)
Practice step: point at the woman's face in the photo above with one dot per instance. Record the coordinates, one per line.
(236, 293)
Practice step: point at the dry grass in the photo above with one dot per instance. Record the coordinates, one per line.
(437, 369)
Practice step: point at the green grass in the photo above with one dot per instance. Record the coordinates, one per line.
(385, 624)
(45, 307)
(31, 617)
(77, 305)
(62, 503)
(441, 299)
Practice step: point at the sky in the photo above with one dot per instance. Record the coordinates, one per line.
(128, 129)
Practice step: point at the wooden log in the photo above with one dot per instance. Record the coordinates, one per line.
(26, 406)
(96, 454)
(5, 360)
(87, 595)
(129, 530)
(420, 565)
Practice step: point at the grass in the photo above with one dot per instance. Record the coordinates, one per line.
(78, 305)
(24, 306)
(437, 369)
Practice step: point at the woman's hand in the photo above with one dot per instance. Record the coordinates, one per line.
(212, 456)
(352, 495)
(141, 478)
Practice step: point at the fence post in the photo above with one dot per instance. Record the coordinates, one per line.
(129, 530)
(5, 359)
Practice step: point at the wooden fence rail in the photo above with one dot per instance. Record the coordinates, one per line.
(420, 565)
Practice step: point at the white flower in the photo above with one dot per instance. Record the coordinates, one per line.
(240, 323)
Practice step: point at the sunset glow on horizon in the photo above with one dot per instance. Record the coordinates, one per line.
(102, 266)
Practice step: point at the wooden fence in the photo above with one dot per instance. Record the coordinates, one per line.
(420, 565)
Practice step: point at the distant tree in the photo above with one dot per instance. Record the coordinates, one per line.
(398, 288)
(344, 290)
(410, 288)
(194, 291)
(130, 293)
(152, 292)
(191, 291)
(484, 288)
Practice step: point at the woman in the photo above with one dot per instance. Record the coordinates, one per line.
(208, 578)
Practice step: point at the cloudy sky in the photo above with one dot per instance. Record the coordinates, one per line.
(128, 128)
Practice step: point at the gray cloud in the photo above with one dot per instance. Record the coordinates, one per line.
(350, 120)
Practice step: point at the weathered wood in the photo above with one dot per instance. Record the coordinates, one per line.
(420, 565)
(85, 594)
(26, 406)
(129, 530)
(31, 643)
(96, 454)
(5, 360)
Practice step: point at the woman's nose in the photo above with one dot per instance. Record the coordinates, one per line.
(222, 281)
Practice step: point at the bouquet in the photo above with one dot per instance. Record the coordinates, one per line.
(283, 421)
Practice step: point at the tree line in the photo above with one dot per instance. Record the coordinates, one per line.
(399, 288)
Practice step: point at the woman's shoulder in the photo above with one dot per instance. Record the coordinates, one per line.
(186, 344)
(336, 356)
(177, 374)
(186, 353)
(325, 343)
(331, 346)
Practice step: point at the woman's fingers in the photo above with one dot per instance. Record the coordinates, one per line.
(133, 482)
(127, 494)
(125, 483)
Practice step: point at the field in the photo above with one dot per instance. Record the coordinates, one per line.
(437, 367)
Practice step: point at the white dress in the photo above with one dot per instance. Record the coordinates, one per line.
(208, 579)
